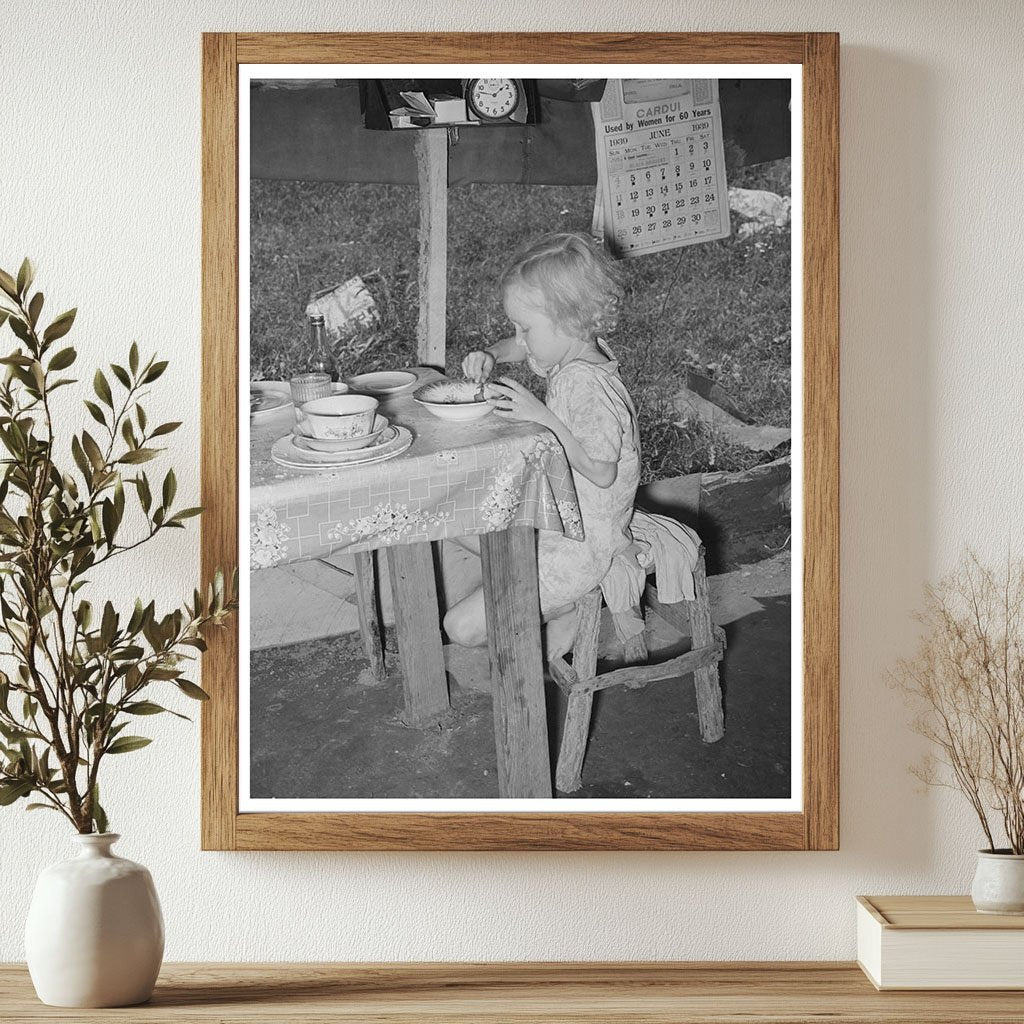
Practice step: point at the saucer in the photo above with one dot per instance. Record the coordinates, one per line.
(344, 444)
(367, 444)
(385, 382)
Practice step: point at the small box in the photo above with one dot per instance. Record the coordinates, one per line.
(450, 111)
(938, 942)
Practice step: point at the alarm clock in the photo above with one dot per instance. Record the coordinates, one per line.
(493, 99)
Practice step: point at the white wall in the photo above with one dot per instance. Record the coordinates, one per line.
(99, 182)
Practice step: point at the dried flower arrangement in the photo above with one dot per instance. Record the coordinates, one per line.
(967, 679)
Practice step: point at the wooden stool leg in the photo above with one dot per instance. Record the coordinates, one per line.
(569, 770)
(370, 628)
(635, 649)
(705, 680)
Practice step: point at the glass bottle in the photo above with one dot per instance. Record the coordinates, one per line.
(321, 358)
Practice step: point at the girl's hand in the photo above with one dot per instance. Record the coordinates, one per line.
(477, 366)
(514, 402)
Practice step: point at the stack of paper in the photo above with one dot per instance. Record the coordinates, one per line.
(421, 112)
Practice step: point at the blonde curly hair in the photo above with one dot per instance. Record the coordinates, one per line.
(578, 285)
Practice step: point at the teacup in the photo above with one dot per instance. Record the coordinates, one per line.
(337, 417)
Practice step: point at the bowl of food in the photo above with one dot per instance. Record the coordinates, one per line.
(455, 399)
(337, 417)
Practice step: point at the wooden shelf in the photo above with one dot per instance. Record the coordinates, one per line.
(633, 993)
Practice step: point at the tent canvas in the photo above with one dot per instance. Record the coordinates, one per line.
(316, 133)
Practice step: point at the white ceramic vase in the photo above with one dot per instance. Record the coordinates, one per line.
(95, 933)
(999, 882)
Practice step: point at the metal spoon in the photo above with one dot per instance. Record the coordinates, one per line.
(480, 396)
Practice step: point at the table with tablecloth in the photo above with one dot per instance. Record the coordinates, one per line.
(489, 477)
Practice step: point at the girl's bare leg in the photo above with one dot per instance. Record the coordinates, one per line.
(460, 575)
(560, 632)
(466, 624)
(466, 621)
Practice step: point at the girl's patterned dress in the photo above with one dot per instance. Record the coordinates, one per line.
(591, 400)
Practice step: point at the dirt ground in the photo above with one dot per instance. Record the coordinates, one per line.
(322, 729)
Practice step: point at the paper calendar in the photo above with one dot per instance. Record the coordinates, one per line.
(661, 165)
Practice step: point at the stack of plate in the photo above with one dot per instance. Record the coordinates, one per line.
(299, 452)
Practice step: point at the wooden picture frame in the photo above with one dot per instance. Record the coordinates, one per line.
(816, 827)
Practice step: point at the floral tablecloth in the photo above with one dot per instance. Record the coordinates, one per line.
(456, 479)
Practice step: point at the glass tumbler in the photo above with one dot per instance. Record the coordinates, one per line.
(308, 386)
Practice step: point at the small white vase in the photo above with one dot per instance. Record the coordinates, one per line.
(95, 933)
(999, 882)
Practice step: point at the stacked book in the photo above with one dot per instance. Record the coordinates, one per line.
(938, 942)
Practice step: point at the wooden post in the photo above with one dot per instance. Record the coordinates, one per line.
(512, 605)
(432, 171)
(370, 626)
(414, 592)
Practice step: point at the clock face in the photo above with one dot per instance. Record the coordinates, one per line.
(493, 98)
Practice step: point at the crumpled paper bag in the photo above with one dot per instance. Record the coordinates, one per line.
(345, 307)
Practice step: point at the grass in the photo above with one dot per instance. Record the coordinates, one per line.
(721, 308)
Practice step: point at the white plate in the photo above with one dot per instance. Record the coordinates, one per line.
(286, 453)
(274, 395)
(386, 382)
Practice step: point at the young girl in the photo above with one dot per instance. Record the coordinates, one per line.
(559, 293)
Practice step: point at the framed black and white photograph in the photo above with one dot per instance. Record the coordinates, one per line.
(534, 495)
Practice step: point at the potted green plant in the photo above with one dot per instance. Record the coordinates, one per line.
(81, 671)
(967, 681)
